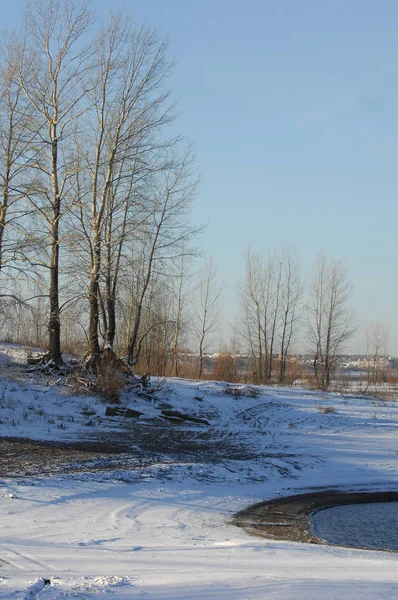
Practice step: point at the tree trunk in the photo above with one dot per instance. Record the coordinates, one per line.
(93, 340)
(54, 325)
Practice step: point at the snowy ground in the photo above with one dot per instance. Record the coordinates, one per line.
(161, 530)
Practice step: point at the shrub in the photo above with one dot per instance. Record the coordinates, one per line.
(109, 380)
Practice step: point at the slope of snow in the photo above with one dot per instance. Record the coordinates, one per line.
(162, 531)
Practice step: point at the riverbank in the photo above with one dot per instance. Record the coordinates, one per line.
(288, 518)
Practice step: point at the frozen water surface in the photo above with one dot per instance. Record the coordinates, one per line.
(370, 525)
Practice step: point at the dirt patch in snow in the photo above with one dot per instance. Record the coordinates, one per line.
(26, 457)
(289, 518)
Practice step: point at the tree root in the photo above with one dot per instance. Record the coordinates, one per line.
(105, 375)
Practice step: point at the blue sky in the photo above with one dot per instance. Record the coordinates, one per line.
(293, 109)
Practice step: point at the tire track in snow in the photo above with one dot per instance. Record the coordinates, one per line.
(24, 561)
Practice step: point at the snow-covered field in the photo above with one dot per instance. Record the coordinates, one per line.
(161, 530)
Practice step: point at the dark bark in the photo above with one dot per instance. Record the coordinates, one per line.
(54, 325)
(134, 347)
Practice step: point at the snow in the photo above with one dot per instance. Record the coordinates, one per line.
(162, 530)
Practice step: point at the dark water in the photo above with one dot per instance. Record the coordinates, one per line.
(371, 525)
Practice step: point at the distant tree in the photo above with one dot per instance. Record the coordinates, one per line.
(376, 349)
(269, 300)
(255, 298)
(331, 322)
(180, 292)
(207, 312)
(290, 306)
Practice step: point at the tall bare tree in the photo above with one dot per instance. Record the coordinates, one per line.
(53, 76)
(15, 141)
(130, 108)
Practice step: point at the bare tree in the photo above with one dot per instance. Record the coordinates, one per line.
(180, 294)
(269, 300)
(207, 312)
(277, 271)
(84, 153)
(331, 322)
(15, 141)
(15, 161)
(127, 114)
(166, 233)
(53, 76)
(291, 293)
(255, 295)
(376, 349)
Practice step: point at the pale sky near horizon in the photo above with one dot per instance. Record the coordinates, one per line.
(293, 109)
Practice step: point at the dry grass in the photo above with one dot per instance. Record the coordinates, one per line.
(109, 380)
(103, 377)
(325, 410)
